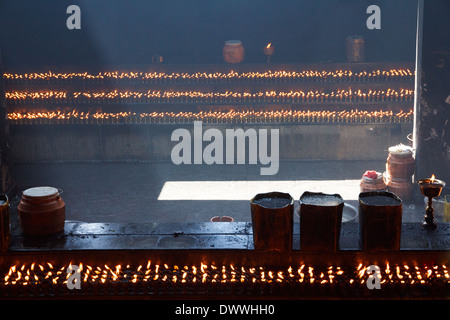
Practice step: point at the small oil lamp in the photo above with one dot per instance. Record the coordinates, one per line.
(268, 51)
(430, 188)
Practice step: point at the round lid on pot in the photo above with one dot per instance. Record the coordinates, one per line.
(233, 42)
(39, 192)
(401, 150)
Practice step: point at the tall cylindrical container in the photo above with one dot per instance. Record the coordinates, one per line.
(5, 227)
(403, 188)
(380, 221)
(446, 215)
(233, 51)
(272, 221)
(41, 211)
(400, 163)
(355, 49)
(399, 171)
(320, 221)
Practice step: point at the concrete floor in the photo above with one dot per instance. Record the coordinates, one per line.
(164, 192)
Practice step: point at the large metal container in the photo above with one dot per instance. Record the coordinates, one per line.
(41, 211)
(233, 51)
(355, 49)
(272, 221)
(380, 221)
(400, 165)
(403, 188)
(320, 221)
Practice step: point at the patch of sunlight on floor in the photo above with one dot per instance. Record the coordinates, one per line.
(246, 190)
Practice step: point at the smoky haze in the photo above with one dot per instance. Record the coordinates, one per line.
(119, 32)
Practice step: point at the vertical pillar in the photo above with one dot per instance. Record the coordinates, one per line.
(5, 175)
(432, 101)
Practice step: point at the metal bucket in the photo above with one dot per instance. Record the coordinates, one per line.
(320, 221)
(272, 221)
(380, 221)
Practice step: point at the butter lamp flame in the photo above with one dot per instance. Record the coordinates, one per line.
(268, 51)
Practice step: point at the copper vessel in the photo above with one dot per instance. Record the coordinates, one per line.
(41, 211)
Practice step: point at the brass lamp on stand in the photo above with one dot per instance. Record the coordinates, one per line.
(430, 188)
(268, 51)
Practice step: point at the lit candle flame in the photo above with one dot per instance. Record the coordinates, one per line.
(432, 178)
(268, 46)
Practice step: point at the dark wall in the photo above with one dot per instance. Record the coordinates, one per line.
(433, 136)
(5, 142)
(125, 32)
